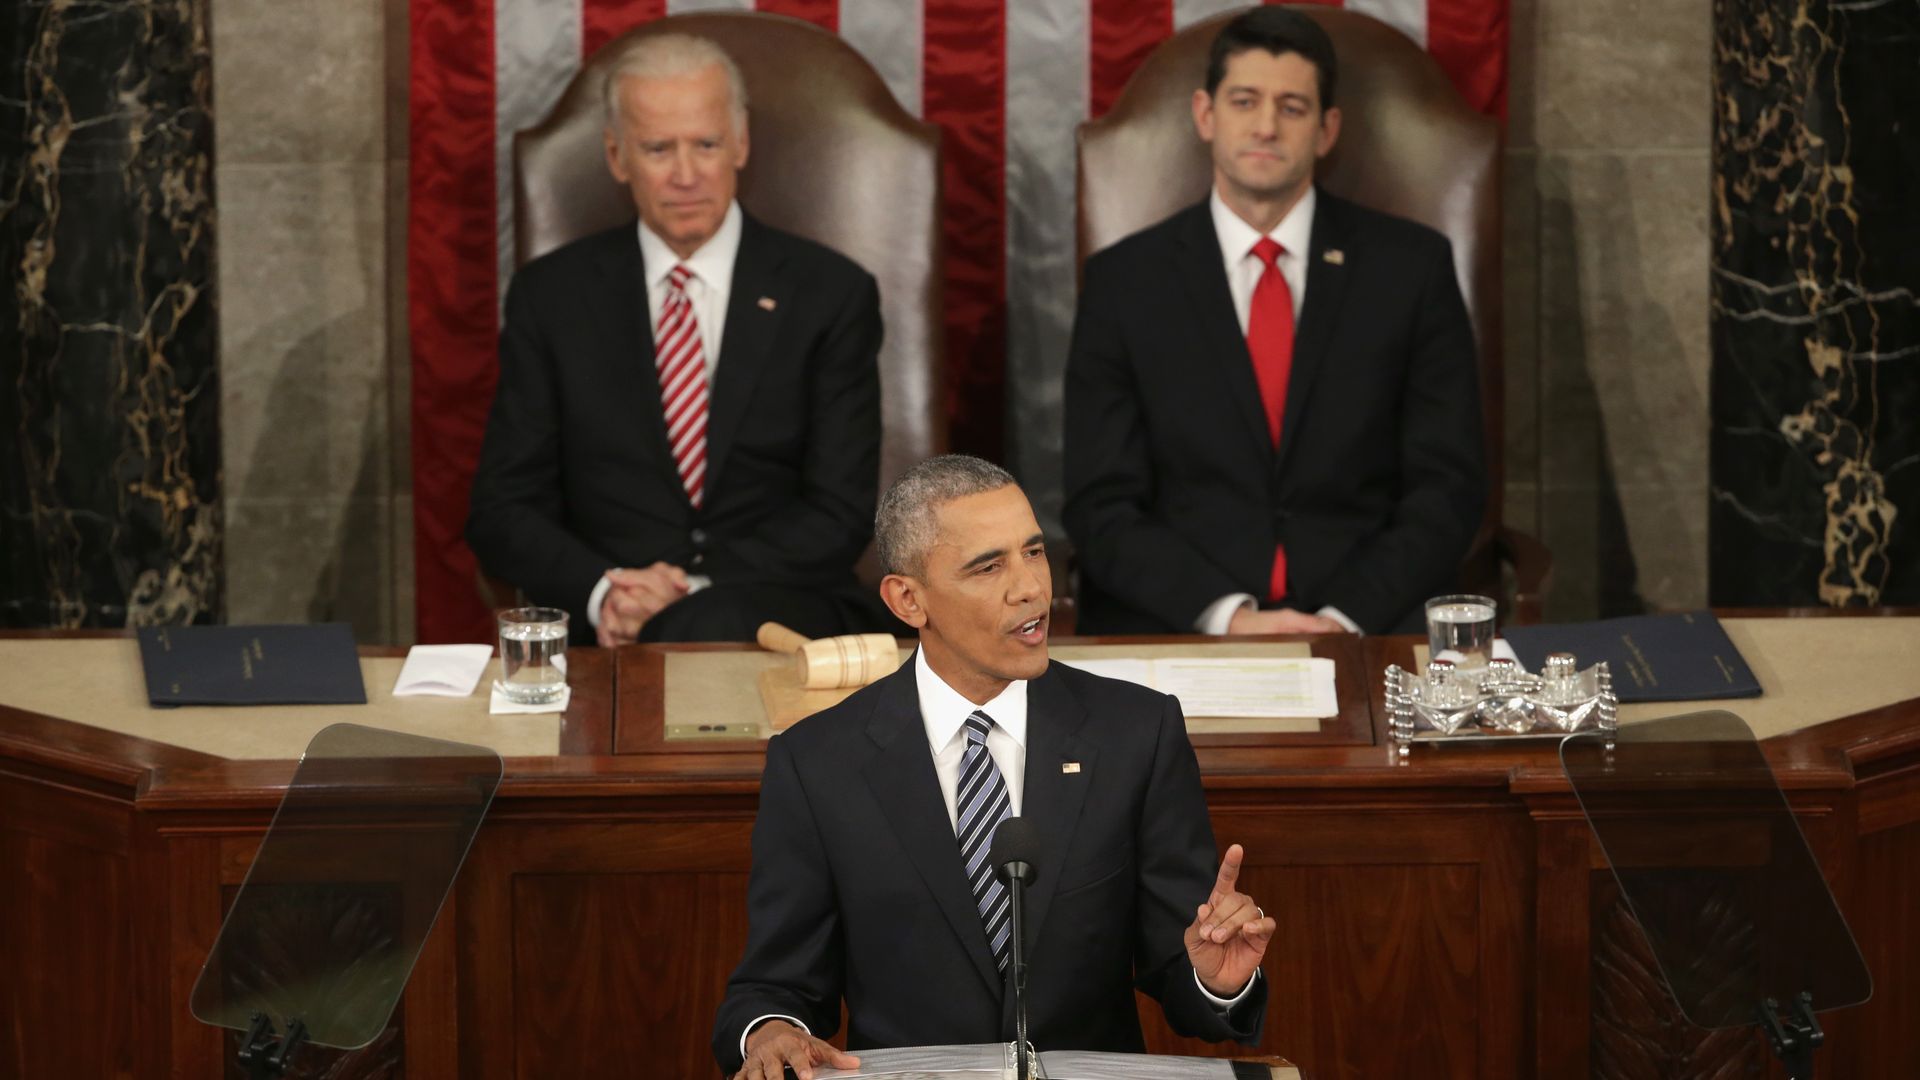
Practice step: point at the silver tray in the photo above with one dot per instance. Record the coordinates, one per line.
(1477, 736)
(1406, 727)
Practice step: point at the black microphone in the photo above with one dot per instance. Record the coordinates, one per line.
(1015, 850)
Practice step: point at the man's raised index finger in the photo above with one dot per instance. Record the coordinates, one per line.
(1230, 868)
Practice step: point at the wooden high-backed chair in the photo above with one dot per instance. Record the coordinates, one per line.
(834, 158)
(1408, 146)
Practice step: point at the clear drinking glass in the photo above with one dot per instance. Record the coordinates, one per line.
(1461, 626)
(533, 655)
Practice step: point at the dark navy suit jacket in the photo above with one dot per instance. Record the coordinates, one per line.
(858, 893)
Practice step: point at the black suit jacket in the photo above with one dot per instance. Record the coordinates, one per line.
(858, 891)
(575, 473)
(1175, 495)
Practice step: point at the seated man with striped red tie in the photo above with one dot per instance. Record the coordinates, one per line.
(1225, 473)
(872, 880)
(686, 436)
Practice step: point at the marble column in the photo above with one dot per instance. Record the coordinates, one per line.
(1815, 446)
(109, 396)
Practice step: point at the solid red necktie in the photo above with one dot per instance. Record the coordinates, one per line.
(1270, 343)
(1270, 333)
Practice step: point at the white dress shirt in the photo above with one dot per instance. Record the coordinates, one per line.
(707, 290)
(944, 711)
(1294, 234)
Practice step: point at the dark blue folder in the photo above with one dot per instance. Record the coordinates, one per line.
(309, 664)
(1678, 657)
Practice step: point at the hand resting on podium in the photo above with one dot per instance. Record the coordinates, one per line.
(776, 1044)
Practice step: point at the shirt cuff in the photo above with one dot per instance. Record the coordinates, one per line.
(1218, 1002)
(1334, 613)
(758, 1020)
(596, 598)
(1219, 615)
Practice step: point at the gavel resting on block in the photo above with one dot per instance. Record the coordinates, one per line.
(827, 663)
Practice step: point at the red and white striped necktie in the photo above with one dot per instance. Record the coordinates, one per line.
(683, 382)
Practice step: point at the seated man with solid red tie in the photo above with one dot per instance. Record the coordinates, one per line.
(1272, 403)
(685, 441)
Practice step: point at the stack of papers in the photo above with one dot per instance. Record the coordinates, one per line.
(996, 1061)
(1288, 687)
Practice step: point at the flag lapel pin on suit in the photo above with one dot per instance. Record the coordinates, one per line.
(1070, 767)
(766, 303)
(1335, 256)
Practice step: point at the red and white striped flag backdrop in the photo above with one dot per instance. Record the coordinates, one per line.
(1007, 80)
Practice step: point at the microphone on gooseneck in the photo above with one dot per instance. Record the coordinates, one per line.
(1014, 853)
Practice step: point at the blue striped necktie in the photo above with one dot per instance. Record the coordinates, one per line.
(980, 805)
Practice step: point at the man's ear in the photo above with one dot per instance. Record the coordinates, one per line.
(1329, 132)
(1203, 115)
(614, 165)
(902, 596)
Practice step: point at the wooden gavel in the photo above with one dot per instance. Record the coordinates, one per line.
(827, 663)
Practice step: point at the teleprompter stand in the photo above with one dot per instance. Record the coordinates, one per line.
(1794, 1038)
(347, 882)
(1715, 870)
(265, 1054)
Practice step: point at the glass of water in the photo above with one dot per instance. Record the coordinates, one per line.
(533, 655)
(1462, 626)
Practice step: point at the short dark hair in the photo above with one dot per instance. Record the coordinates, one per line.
(903, 526)
(1278, 31)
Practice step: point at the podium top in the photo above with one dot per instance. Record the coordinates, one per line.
(994, 1061)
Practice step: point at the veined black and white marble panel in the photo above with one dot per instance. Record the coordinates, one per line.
(110, 507)
(1816, 303)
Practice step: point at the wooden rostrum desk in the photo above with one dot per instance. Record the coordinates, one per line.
(1446, 916)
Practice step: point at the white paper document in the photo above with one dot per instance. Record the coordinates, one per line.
(500, 704)
(442, 670)
(996, 1060)
(927, 1063)
(1280, 687)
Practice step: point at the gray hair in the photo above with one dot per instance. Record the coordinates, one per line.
(903, 527)
(663, 56)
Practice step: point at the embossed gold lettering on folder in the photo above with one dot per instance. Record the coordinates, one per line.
(315, 664)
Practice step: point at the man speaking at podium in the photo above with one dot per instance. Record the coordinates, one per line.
(872, 811)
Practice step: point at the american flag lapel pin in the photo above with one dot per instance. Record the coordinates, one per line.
(767, 304)
(1070, 767)
(1335, 256)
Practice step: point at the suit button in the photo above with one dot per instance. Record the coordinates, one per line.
(699, 537)
(699, 557)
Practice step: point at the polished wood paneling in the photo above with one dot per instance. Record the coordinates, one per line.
(63, 910)
(1445, 915)
(1886, 921)
(1387, 921)
(1404, 940)
(636, 923)
(1637, 1029)
(677, 936)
